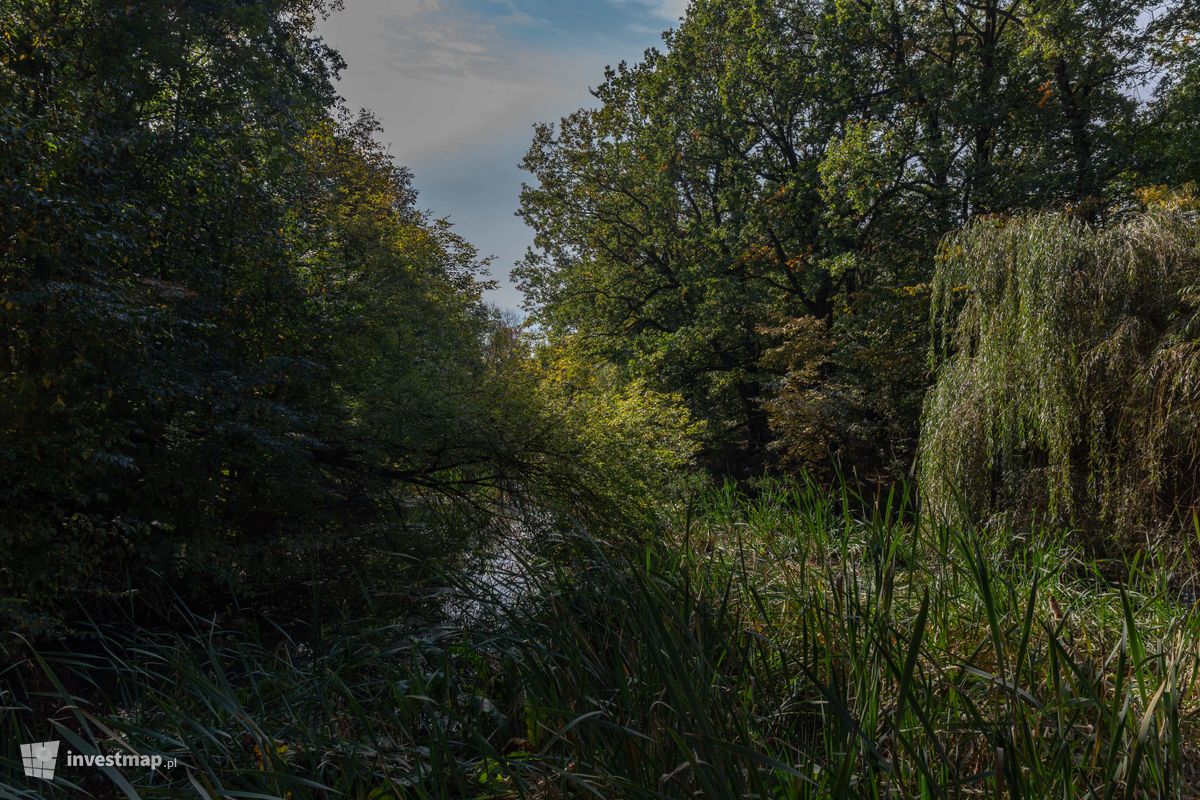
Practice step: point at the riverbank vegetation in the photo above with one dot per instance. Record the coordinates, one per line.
(775, 645)
(849, 448)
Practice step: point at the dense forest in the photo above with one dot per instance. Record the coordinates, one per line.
(850, 446)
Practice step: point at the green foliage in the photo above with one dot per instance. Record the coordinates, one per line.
(233, 346)
(780, 645)
(633, 444)
(247, 379)
(1067, 380)
(144, 284)
(791, 159)
(1171, 154)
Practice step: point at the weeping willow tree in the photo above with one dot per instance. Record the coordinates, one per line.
(1068, 370)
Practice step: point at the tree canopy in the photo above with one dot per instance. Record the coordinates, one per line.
(750, 216)
(236, 351)
(1070, 374)
(232, 337)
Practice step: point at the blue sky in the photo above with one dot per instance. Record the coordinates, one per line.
(458, 85)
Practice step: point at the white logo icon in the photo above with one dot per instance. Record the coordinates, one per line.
(39, 759)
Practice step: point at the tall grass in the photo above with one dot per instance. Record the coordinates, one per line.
(784, 644)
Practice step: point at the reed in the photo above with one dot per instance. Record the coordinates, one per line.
(790, 643)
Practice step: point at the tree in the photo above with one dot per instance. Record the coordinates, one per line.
(1169, 146)
(1067, 371)
(144, 280)
(790, 165)
(233, 345)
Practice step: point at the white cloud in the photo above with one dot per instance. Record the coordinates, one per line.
(663, 10)
(457, 92)
(408, 8)
(670, 9)
(441, 81)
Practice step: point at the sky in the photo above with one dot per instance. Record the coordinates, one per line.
(458, 85)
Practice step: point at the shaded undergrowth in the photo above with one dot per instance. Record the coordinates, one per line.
(780, 645)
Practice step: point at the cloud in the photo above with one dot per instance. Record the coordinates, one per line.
(671, 10)
(402, 8)
(653, 11)
(437, 52)
(457, 84)
(443, 76)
